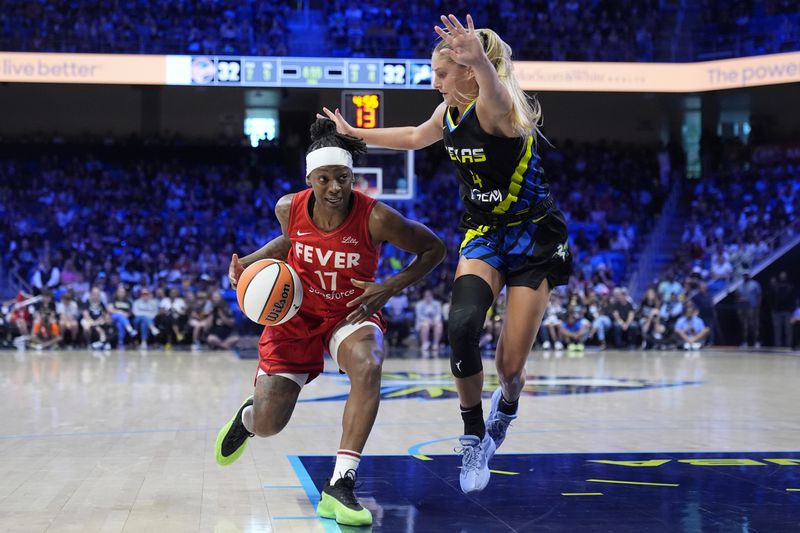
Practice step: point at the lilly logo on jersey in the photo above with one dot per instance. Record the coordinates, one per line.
(466, 155)
(349, 240)
(314, 255)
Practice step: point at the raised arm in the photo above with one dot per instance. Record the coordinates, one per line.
(277, 248)
(405, 138)
(494, 103)
(387, 225)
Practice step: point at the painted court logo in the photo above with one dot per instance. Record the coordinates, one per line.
(407, 385)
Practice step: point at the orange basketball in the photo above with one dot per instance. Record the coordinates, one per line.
(269, 292)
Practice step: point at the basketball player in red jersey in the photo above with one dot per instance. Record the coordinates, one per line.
(332, 237)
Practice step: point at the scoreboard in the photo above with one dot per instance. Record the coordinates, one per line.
(363, 109)
(244, 71)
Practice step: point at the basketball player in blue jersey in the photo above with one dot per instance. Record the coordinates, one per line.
(514, 234)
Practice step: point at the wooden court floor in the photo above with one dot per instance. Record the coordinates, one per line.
(608, 441)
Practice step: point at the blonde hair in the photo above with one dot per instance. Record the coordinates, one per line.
(526, 113)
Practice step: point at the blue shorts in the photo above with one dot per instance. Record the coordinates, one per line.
(526, 252)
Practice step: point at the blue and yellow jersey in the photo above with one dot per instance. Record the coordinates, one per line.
(497, 175)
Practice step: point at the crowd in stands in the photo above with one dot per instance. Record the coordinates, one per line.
(575, 30)
(619, 30)
(747, 28)
(251, 27)
(78, 218)
(737, 219)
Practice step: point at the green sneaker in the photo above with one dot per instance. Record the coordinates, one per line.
(232, 438)
(339, 502)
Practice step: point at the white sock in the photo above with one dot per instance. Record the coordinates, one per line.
(247, 418)
(345, 460)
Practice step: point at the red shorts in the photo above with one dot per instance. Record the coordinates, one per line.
(299, 345)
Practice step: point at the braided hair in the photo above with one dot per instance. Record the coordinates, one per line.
(324, 134)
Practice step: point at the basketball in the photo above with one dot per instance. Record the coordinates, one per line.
(269, 292)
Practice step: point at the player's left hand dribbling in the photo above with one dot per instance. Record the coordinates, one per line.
(370, 302)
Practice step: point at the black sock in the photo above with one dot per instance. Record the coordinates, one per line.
(473, 421)
(506, 407)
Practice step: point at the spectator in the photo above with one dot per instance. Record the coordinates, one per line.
(145, 310)
(69, 316)
(95, 319)
(671, 310)
(121, 310)
(782, 302)
(399, 319)
(690, 329)
(45, 277)
(704, 303)
(624, 327)
(575, 329)
(164, 321)
(46, 332)
(650, 319)
(428, 312)
(20, 317)
(553, 315)
(200, 318)
(671, 284)
(180, 314)
(749, 303)
(221, 335)
(600, 313)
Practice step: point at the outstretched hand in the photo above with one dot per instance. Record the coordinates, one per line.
(341, 124)
(235, 270)
(465, 47)
(370, 302)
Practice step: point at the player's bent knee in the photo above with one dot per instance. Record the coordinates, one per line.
(511, 371)
(472, 297)
(366, 366)
(267, 424)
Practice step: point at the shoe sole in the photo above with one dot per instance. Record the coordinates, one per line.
(328, 507)
(492, 412)
(221, 459)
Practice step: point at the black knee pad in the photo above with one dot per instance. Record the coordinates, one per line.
(472, 298)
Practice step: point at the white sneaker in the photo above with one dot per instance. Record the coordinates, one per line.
(475, 455)
(696, 346)
(143, 345)
(559, 345)
(154, 330)
(687, 346)
(546, 345)
(497, 423)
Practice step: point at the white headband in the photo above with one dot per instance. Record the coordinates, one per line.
(328, 156)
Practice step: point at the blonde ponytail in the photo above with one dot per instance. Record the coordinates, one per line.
(526, 113)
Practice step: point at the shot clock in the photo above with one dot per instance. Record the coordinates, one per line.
(363, 109)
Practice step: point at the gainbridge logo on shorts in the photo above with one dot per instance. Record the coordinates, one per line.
(408, 385)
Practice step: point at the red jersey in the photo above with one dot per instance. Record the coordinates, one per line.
(325, 262)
